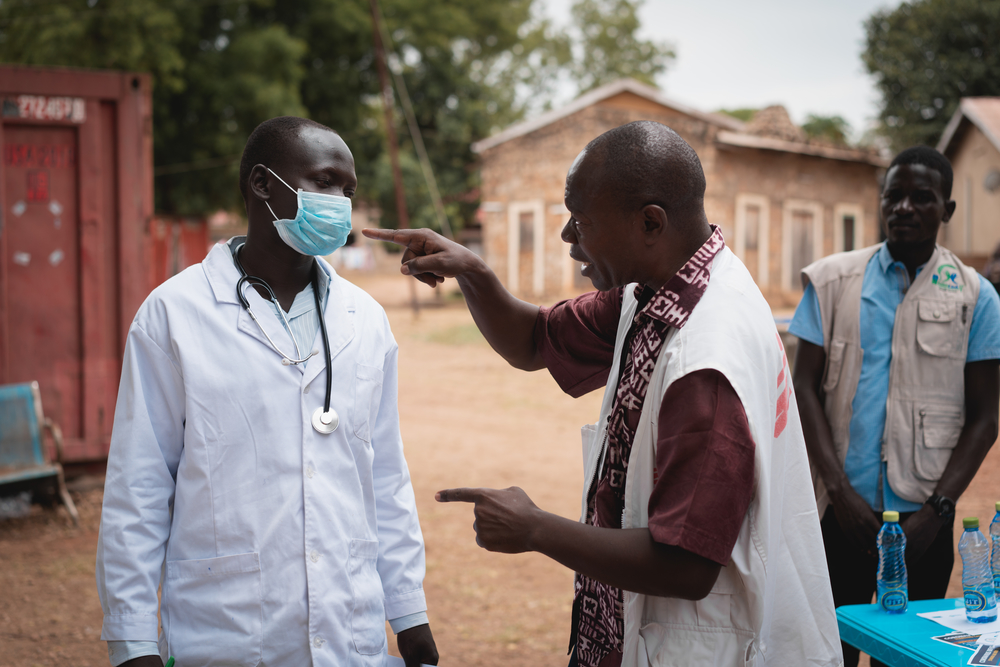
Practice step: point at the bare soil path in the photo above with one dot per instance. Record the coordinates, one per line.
(468, 420)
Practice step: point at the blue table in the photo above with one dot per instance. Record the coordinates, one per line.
(902, 640)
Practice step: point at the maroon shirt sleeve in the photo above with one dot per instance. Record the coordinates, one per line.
(704, 467)
(576, 339)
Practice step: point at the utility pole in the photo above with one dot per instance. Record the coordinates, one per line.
(390, 133)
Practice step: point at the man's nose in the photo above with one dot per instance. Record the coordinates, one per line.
(904, 205)
(567, 233)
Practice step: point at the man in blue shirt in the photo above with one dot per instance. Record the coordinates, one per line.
(857, 435)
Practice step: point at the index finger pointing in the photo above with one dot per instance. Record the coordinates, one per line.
(459, 495)
(397, 236)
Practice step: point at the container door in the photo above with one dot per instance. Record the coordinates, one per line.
(42, 246)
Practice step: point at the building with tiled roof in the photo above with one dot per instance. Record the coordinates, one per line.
(781, 200)
(972, 142)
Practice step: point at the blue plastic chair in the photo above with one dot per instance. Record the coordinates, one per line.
(23, 457)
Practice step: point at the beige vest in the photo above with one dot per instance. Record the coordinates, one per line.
(772, 603)
(926, 407)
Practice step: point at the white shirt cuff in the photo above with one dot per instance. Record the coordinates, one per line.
(123, 651)
(408, 621)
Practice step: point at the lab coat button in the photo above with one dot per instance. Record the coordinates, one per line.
(317, 641)
(310, 471)
(314, 556)
(306, 390)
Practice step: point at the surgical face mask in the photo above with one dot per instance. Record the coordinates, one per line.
(321, 224)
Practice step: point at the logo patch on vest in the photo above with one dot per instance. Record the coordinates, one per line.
(946, 278)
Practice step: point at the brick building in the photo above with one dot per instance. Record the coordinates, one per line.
(781, 200)
(972, 142)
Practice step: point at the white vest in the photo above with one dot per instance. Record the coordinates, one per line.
(772, 603)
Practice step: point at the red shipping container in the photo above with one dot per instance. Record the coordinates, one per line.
(76, 199)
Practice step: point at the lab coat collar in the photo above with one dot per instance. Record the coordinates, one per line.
(338, 309)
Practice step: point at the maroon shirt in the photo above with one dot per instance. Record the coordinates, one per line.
(704, 461)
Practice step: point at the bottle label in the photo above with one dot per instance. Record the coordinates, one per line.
(893, 600)
(974, 600)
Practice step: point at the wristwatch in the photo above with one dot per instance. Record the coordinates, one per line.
(943, 506)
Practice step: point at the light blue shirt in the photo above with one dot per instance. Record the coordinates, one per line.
(882, 290)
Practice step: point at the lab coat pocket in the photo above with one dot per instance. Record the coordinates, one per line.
(368, 617)
(367, 397)
(213, 610)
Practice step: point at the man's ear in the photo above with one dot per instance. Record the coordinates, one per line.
(259, 183)
(654, 220)
(949, 210)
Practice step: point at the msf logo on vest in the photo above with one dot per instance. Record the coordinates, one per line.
(946, 278)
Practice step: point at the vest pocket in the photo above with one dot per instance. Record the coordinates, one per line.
(214, 610)
(938, 332)
(936, 429)
(368, 617)
(834, 364)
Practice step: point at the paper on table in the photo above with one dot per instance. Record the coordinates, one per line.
(991, 638)
(956, 620)
(398, 662)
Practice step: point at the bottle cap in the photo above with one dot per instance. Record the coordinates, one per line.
(998, 507)
(890, 516)
(970, 522)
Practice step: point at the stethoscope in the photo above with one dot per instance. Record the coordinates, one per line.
(325, 420)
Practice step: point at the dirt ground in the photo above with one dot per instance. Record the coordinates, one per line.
(468, 420)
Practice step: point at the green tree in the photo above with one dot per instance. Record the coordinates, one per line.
(608, 47)
(743, 113)
(925, 56)
(220, 68)
(833, 129)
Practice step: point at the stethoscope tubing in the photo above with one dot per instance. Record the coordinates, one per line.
(246, 280)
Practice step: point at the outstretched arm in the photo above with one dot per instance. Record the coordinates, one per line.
(507, 322)
(509, 522)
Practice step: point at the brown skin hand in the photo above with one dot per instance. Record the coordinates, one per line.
(913, 208)
(319, 161)
(508, 522)
(643, 245)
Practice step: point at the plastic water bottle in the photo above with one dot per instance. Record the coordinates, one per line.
(977, 579)
(891, 583)
(995, 552)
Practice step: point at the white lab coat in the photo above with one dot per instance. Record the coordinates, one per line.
(275, 545)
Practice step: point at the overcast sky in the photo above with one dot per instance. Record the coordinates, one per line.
(803, 54)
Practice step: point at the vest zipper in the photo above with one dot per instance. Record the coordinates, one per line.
(965, 310)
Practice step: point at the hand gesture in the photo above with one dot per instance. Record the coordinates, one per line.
(428, 256)
(505, 518)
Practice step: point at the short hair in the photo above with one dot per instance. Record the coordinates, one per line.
(268, 145)
(645, 162)
(931, 159)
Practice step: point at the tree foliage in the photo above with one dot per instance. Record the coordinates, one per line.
(832, 129)
(609, 47)
(743, 113)
(925, 56)
(220, 68)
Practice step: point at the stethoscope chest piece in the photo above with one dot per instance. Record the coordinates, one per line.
(325, 422)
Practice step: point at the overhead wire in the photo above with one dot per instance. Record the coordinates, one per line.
(416, 135)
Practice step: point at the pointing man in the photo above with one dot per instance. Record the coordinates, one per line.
(697, 542)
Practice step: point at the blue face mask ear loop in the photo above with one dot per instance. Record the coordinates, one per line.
(276, 218)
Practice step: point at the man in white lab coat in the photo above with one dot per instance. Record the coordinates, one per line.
(272, 542)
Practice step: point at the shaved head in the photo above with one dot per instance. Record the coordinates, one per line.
(644, 163)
